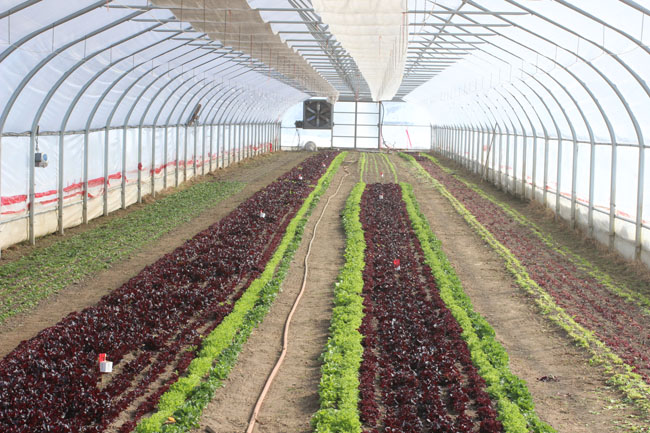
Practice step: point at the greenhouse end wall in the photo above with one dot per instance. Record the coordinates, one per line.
(85, 179)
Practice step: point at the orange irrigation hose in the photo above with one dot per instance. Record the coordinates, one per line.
(285, 336)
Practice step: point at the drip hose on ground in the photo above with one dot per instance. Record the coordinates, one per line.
(285, 336)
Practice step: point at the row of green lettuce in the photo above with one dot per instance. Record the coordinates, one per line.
(620, 374)
(514, 402)
(618, 289)
(186, 399)
(46, 270)
(339, 384)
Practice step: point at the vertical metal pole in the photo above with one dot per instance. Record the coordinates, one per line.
(499, 172)
(153, 161)
(140, 164)
(229, 142)
(60, 207)
(514, 167)
(559, 178)
(481, 151)
(165, 157)
(507, 185)
(612, 196)
(123, 192)
(194, 155)
(379, 126)
(85, 180)
(639, 202)
(185, 154)
(574, 181)
(205, 134)
(523, 167)
(356, 109)
(331, 136)
(178, 147)
(59, 187)
(592, 171)
(32, 186)
(240, 148)
(534, 183)
(211, 146)
(545, 192)
(279, 136)
(106, 140)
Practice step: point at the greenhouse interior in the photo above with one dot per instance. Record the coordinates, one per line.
(324, 216)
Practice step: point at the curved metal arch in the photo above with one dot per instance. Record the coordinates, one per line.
(484, 127)
(108, 89)
(85, 87)
(507, 131)
(16, 93)
(502, 108)
(608, 124)
(154, 126)
(639, 133)
(13, 47)
(637, 128)
(158, 92)
(496, 126)
(544, 130)
(229, 98)
(70, 71)
(525, 147)
(136, 102)
(231, 107)
(524, 134)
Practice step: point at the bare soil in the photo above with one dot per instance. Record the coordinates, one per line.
(580, 399)
(256, 173)
(293, 396)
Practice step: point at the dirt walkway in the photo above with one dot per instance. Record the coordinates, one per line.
(256, 174)
(580, 400)
(293, 397)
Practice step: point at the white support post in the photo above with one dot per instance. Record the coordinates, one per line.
(139, 164)
(106, 141)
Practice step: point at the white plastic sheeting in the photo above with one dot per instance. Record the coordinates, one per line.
(564, 85)
(235, 24)
(80, 65)
(121, 180)
(375, 34)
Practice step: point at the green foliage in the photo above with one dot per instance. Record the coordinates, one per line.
(391, 166)
(621, 374)
(186, 399)
(24, 282)
(363, 159)
(339, 385)
(514, 402)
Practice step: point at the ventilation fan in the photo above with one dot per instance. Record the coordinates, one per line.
(317, 114)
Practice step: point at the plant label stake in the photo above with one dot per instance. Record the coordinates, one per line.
(381, 196)
(104, 365)
(396, 263)
(382, 174)
(262, 214)
(300, 177)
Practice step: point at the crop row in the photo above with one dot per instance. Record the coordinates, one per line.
(221, 348)
(571, 298)
(339, 384)
(150, 325)
(514, 402)
(26, 281)
(416, 372)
